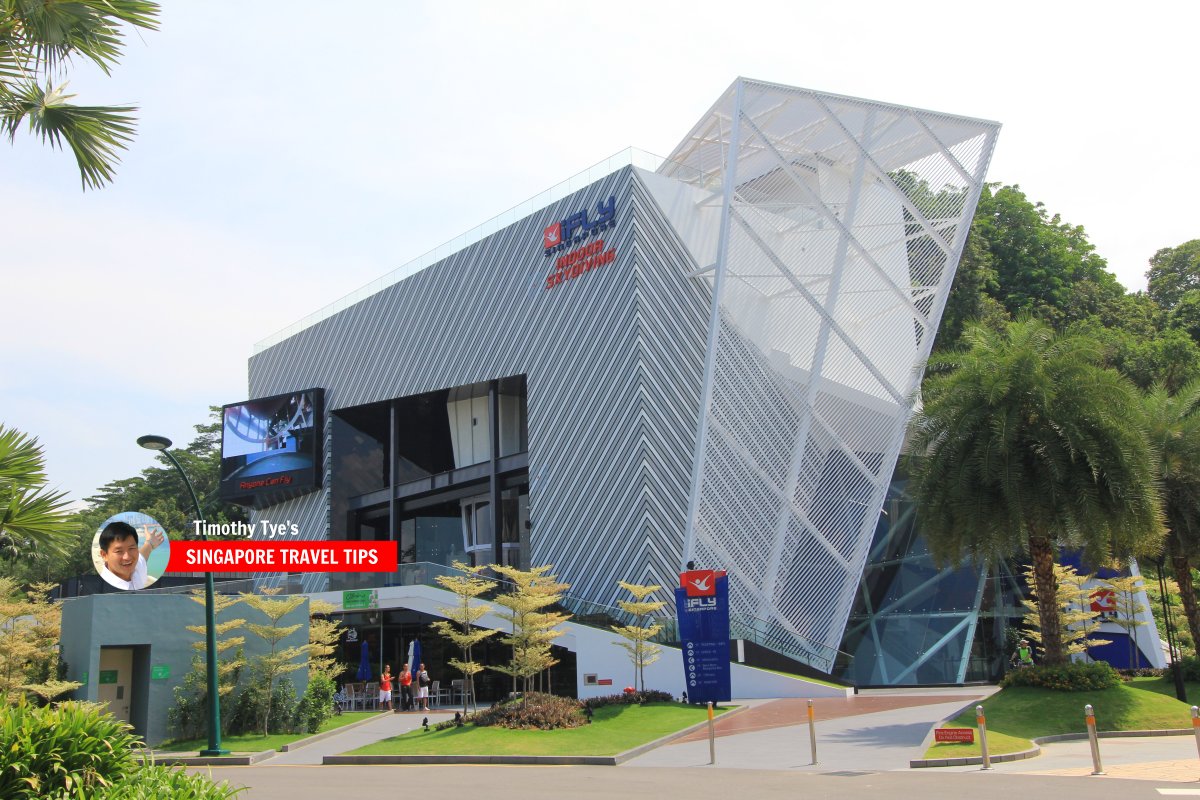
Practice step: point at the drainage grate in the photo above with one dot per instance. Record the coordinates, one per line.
(847, 774)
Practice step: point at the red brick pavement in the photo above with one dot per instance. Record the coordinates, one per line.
(792, 711)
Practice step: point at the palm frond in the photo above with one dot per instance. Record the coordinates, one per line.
(94, 133)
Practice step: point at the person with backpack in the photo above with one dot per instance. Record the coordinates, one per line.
(423, 682)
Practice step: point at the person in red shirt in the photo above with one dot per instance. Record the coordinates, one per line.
(406, 696)
(385, 687)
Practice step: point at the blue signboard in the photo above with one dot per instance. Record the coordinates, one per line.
(702, 605)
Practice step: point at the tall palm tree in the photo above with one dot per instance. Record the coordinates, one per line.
(31, 516)
(1173, 424)
(1026, 443)
(37, 39)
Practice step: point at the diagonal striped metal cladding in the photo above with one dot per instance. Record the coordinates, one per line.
(841, 224)
(733, 388)
(613, 360)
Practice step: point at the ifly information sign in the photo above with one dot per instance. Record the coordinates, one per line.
(702, 604)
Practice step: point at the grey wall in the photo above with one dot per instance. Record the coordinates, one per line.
(614, 361)
(155, 625)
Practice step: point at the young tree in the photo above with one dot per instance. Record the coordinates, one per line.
(641, 652)
(1127, 588)
(459, 625)
(277, 662)
(1025, 443)
(29, 631)
(189, 714)
(1077, 622)
(323, 637)
(37, 40)
(533, 628)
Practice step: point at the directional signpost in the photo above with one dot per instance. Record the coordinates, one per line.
(702, 605)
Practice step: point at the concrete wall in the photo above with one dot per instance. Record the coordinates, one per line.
(155, 626)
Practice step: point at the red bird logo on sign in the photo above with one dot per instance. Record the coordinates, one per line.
(1104, 600)
(552, 235)
(699, 582)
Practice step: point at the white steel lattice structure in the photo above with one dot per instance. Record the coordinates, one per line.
(841, 223)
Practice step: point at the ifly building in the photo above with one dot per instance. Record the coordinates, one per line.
(708, 358)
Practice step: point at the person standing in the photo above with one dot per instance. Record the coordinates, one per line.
(423, 687)
(406, 696)
(385, 687)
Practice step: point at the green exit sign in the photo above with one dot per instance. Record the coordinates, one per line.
(108, 676)
(160, 672)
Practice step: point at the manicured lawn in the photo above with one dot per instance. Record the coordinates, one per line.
(1017, 715)
(250, 743)
(614, 729)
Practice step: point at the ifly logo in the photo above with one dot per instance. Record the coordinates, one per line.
(699, 582)
(580, 226)
(701, 604)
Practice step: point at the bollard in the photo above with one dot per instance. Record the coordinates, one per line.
(1196, 726)
(812, 733)
(712, 736)
(1097, 767)
(981, 721)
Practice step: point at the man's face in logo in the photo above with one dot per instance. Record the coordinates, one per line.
(552, 235)
(121, 557)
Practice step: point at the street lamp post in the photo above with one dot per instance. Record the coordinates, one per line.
(162, 444)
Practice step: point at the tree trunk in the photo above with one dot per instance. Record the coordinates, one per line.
(1187, 592)
(1047, 600)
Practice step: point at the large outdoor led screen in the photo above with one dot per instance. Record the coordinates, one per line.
(271, 447)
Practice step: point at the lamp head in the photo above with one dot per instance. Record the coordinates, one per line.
(151, 442)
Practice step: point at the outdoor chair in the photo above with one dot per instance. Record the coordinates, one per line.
(371, 695)
(438, 694)
(458, 692)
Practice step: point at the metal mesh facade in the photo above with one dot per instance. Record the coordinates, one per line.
(732, 388)
(841, 224)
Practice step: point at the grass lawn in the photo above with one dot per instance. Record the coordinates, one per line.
(1018, 714)
(252, 743)
(614, 729)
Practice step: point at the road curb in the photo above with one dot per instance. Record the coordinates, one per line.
(1037, 750)
(595, 761)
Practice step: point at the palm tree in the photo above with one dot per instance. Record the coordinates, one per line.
(37, 39)
(1173, 424)
(32, 517)
(1026, 443)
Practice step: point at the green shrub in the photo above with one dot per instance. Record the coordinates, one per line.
(66, 751)
(250, 709)
(630, 698)
(1074, 677)
(537, 711)
(1191, 668)
(157, 783)
(317, 703)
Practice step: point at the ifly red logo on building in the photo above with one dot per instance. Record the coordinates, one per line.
(580, 235)
(579, 227)
(552, 237)
(699, 582)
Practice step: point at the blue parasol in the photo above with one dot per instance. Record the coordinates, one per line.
(414, 656)
(364, 663)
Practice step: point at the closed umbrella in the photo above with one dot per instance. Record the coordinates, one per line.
(364, 663)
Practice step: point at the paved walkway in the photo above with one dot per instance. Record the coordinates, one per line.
(865, 741)
(381, 726)
(866, 732)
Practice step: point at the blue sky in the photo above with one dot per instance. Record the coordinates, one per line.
(289, 153)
